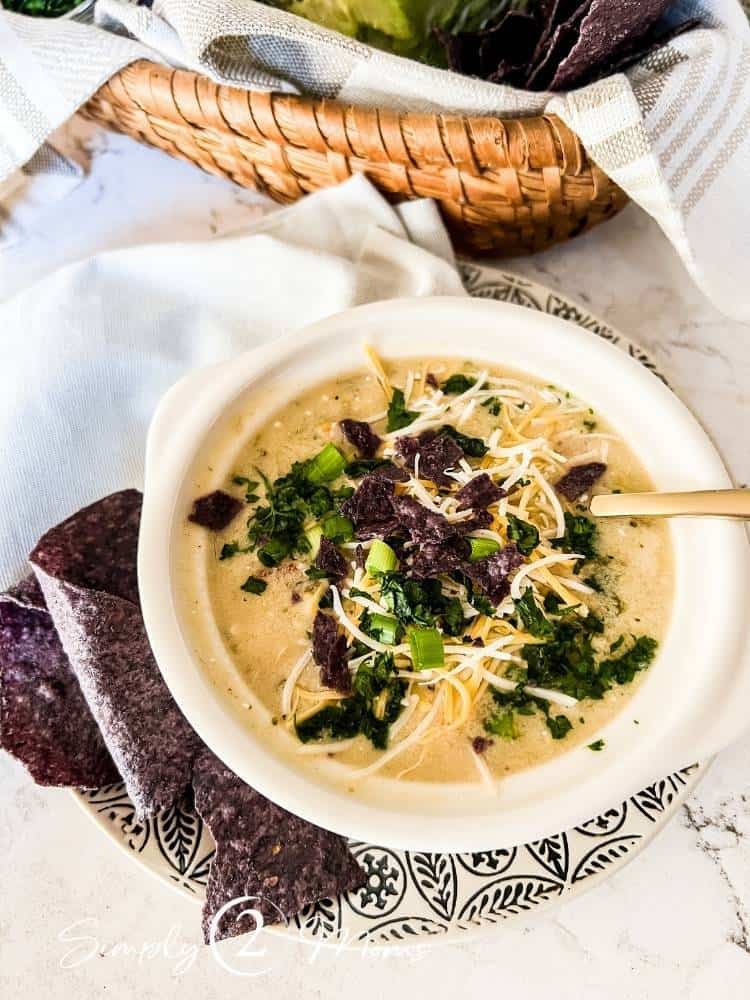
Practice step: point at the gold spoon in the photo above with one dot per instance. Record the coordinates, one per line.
(701, 503)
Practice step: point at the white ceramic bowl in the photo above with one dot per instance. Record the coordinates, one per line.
(693, 700)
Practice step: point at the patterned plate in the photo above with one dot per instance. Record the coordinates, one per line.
(412, 898)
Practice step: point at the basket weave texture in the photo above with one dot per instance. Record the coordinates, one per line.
(505, 187)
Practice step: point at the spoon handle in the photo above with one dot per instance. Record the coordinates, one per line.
(702, 503)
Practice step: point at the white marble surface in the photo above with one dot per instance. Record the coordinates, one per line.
(674, 923)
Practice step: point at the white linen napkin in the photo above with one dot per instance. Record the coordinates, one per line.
(86, 354)
(674, 131)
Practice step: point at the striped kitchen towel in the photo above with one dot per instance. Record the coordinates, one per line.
(673, 131)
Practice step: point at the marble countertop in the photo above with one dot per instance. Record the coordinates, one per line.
(78, 919)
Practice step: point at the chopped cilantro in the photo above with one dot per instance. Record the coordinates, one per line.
(524, 704)
(502, 724)
(623, 668)
(494, 405)
(398, 415)
(315, 573)
(229, 549)
(475, 598)
(483, 605)
(254, 585)
(567, 661)
(452, 616)
(458, 383)
(275, 550)
(580, 536)
(558, 725)
(361, 466)
(597, 745)
(374, 704)
(276, 529)
(251, 485)
(533, 617)
(525, 535)
(406, 599)
(339, 721)
(473, 447)
(421, 602)
(326, 600)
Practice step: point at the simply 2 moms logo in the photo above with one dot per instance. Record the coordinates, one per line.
(248, 956)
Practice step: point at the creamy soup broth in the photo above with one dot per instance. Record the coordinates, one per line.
(265, 634)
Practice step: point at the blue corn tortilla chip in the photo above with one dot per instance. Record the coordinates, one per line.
(492, 573)
(557, 13)
(370, 508)
(330, 561)
(550, 54)
(377, 513)
(419, 524)
(580, 479)
(479, 519)
(27, 592)
(510, 41)
(504, 51)
(621, 60)
(95, 549)
(86, 568)
(45, 722)
(481, 744)
(606, 28)
(557, 44)
(329, 652)
(436, 558)
(390, 472)
(280, 861)
(215, 511)
(361, 435)
(437, 453)
(479, 492)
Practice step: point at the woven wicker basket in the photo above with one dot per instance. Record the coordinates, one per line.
(505, 186)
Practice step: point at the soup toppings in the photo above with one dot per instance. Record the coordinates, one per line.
(454, 580)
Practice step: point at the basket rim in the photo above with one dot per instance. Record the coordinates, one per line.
(516, 183)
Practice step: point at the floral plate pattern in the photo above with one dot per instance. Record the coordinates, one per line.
(413, 898)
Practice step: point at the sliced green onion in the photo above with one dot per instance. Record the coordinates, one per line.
(384, 627)
(381, 558)
(338, 528)
(426, 646)
(482, 547)
(327, 465)
(313, 536)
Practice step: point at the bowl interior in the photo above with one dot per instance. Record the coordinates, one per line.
(710, 572)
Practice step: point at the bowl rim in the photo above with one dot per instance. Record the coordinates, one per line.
(212, 391)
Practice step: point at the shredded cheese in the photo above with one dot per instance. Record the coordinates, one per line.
(524, 457)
